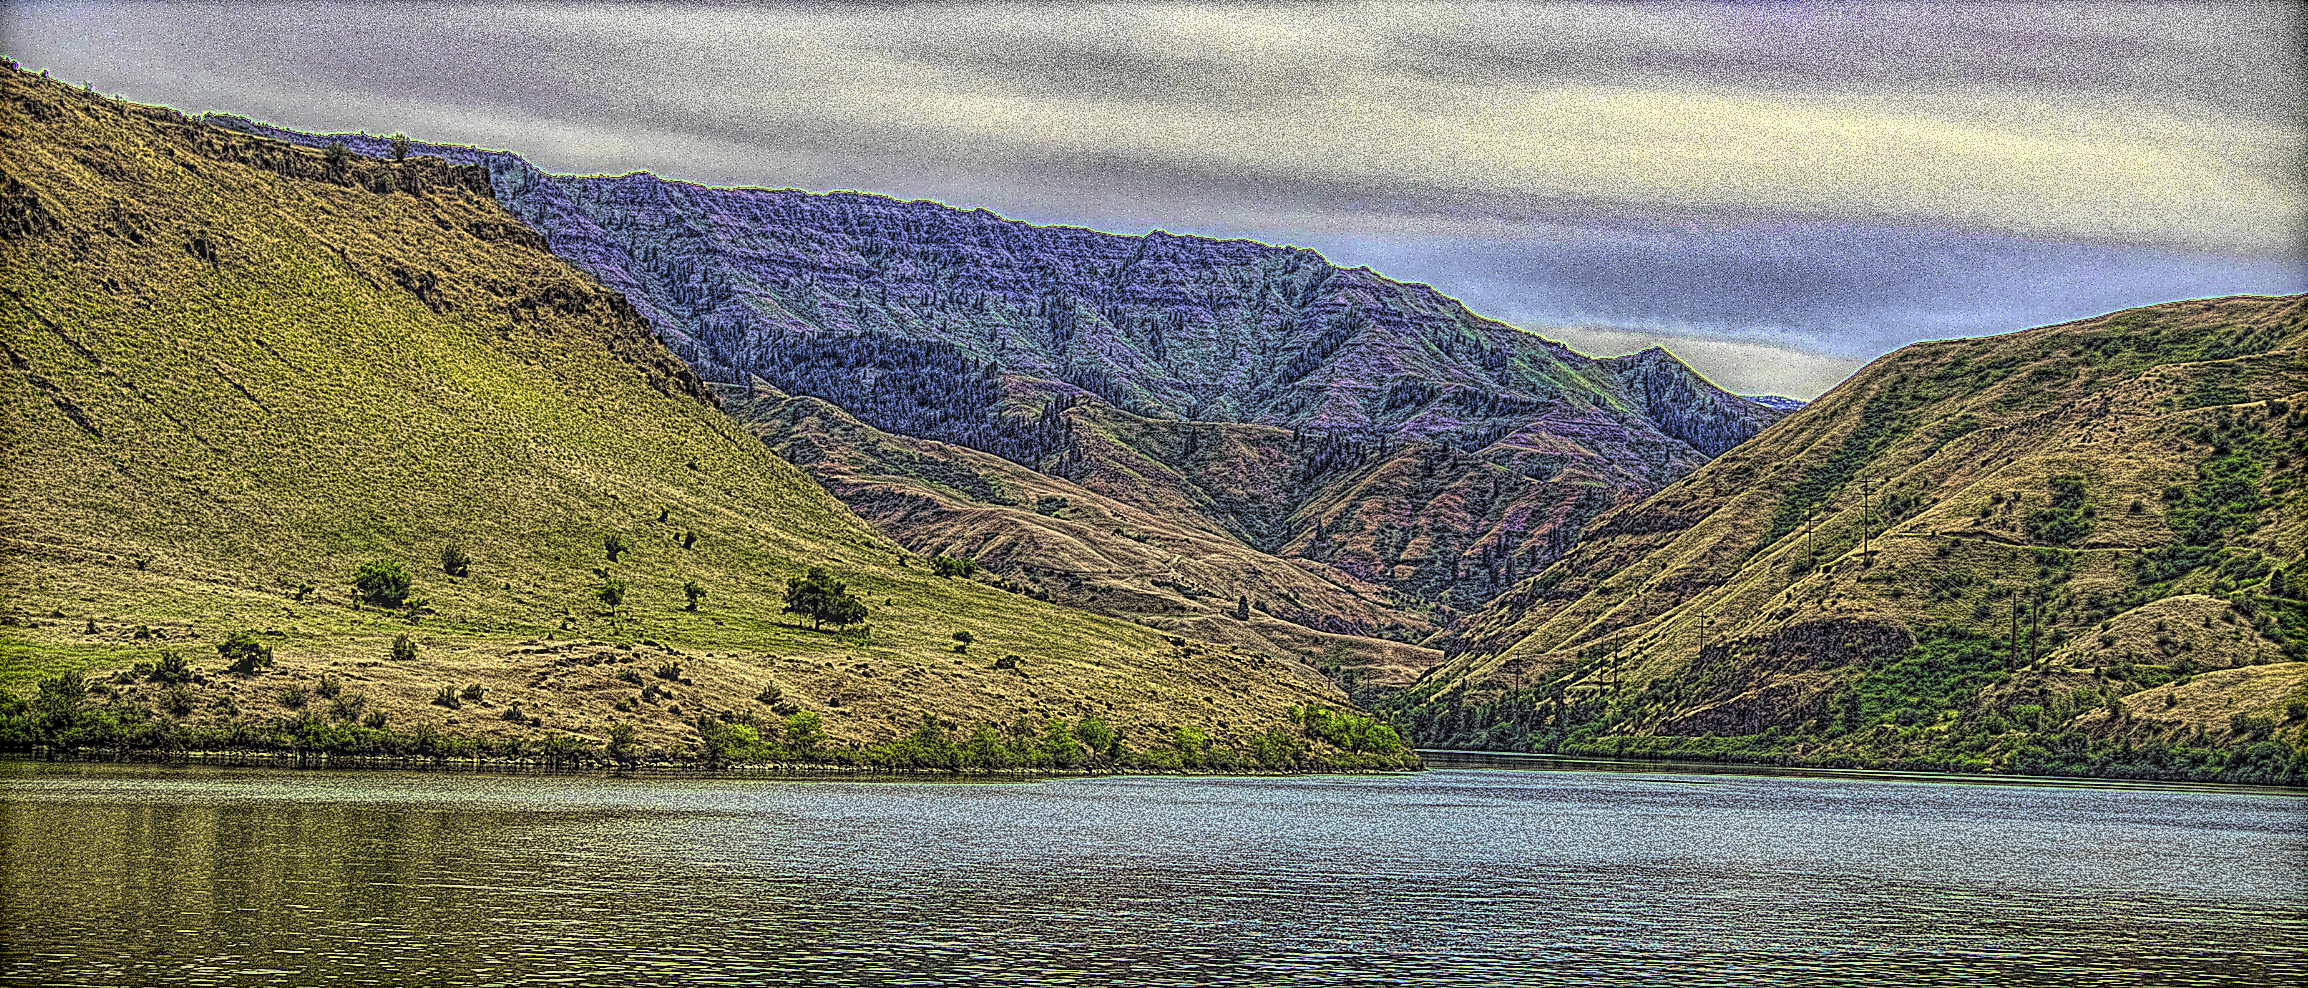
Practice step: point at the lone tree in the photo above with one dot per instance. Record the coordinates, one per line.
(694, 592)
(381, 582)
(400, 147)
(950, 567)
(823, 600)
(1242, 608)
(962, 640)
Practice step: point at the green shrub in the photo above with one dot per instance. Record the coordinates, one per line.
(694, 592)
(447, 697)
(454, 561)
(769, 696)
(176, 700)
(623, 741)
(244, 654)
(614, 543)
(1006, 662)
(404, 650)
(950, 566)
(330, 687)
(472, 692)
(375, 720)
(669, 670)
(294, 696)
(382, 582)
(611, 592)
(962, 640)
(172, 668)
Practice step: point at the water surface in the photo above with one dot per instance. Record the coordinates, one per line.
(145, 876)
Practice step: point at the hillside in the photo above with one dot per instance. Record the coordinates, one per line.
(980, 332)
(2071, 548)
(241, 369)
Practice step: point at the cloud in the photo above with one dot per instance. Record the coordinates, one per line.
(1829, 178)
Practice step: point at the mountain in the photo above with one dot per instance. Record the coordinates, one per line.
(239, 370)
(1775, 401)
(1484, 447)
(2074, 548)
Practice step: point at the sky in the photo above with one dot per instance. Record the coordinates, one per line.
(1776, 192)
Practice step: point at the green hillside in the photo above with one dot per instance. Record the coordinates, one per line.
(2075, 548)
(239, 370)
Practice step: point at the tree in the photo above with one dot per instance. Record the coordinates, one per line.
(400, 144)
(611, 592)
(962, 640)
(404, 650)
(243, 653)
(615, 544)
(694, 592)
(949, 567)
(804, 732)
(823, 600)
(1242, 608)
(337, 155)
(382, 582)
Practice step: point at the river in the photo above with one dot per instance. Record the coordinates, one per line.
(1598, 874)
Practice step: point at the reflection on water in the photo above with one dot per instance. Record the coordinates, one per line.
(190, 876)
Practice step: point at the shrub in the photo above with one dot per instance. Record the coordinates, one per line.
(375, 720)
(454, 561)
(611, 592)
(949, 567)
(382, 582)
(172, 668)
(630, 675)
(294, 696)
(1006, 662)
(472, 692)
(447, 697)
(962, 640)
(400, 143)
(244, 654)
(91, 626)
(770, 695)
(694, 592)
(330, 687)
(304, 590)
(404, 650)
(669, 670)
(347, 707)
(176, 700)
(804, 731)
(614, 544)
(689, 540)
(513, 713)
(337, 155)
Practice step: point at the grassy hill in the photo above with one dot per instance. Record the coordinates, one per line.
(2075, 548)
(240, 369)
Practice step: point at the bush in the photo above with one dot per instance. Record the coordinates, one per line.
(447, 697)
(1006, 662)
(694, 592)
(669, 670)
(176, 700)
(294, 696)
(950, 567)
(472, 692)
(375, 720)
(172, 668)
(404, 650)
(614, 544)
(769, 696)
(382, 582)
(330, 687)
(611, 592)
(244, 654)
(962, 640)
(623, 741)
(454, 561)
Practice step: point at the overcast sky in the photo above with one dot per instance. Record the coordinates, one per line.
(1776, 192)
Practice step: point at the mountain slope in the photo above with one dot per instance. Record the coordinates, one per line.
(240, 369)
(1845, 585)
(973, 330)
